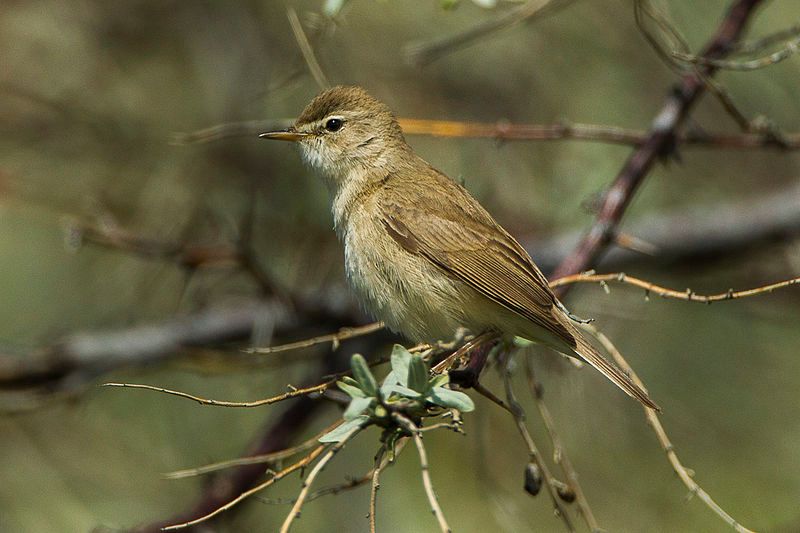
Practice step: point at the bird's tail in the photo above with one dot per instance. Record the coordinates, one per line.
(590, 355)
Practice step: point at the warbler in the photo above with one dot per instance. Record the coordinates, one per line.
(421, 253)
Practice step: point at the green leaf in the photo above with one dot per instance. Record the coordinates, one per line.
(352, 390)
(418, 374)
(341, 431)
(388, 382)
(363, 375)
(350, 381)
(401, 358)
(440, 380)
(451, 399)
(357, 406)
(402, 391)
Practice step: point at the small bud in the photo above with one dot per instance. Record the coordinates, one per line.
(533, 479)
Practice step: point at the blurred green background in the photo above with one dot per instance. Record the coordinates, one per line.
(91, 95)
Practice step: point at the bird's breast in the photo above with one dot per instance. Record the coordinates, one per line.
(405, 291)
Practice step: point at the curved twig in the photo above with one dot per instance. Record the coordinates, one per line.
(298, 504)
(688, 295)
(655, 423)
(221, 403)
(302, 463)
(412, 428)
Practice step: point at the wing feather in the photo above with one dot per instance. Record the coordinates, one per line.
(473, 248)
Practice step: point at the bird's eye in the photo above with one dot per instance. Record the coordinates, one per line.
(334, 124)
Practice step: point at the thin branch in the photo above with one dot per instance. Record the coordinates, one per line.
(409, 426)
(294, 393)
(559, 452)
(333, 338)
(507, 131)
(492, 397)
(533, 451)
(687, 295)
(295, 512)
(472, 344)
(789, 49)
(306, 49)
(302, 463)
(421, 54)
(660, 142)
(252, 460)
(350, 484)
(757, 45)
(652, 419)
(374, 486)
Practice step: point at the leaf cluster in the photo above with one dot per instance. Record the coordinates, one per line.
(408, 390)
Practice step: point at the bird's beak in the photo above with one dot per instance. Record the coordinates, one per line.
(285, 135)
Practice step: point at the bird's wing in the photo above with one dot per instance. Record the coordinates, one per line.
(483, 256)
(475, 250)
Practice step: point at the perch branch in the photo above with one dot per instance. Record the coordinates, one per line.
(687, 295)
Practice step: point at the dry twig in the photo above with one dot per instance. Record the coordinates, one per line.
(533, 451)
(559, 453)
(687, 295)
(655, 423)
(306, 49)
(319, 388)
(333, 450)
(302, 463)
(416, 434)
(507, 131)
(421, 54)
(333, 338)
(659, 143)
(253, 459)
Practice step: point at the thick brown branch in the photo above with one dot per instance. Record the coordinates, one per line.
(660, 142)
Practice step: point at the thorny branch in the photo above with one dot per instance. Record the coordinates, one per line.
(660, 141)
(688, 295)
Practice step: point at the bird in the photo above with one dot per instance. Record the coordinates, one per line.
(420, 253)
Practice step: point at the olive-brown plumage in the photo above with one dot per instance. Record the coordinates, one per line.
(421, 253)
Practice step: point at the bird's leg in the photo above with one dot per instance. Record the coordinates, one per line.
(479, 350)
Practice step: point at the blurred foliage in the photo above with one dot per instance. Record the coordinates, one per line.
(92, 92)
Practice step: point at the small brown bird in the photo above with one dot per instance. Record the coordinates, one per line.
(420, 252)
